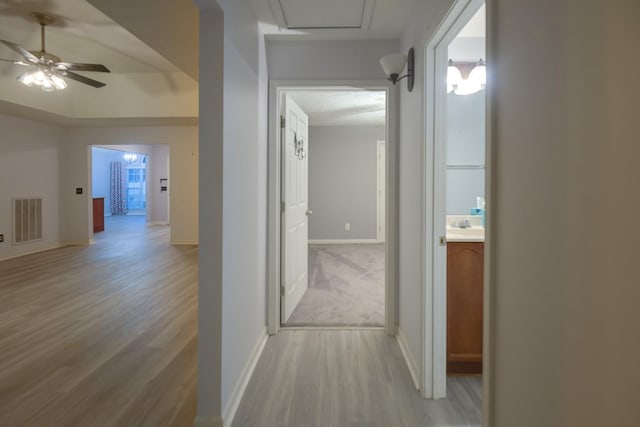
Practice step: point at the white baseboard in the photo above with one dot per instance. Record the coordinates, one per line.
(408, 357)
(207, 422)
(34, 251)
(229, 412)
(342, 241)
(183, 242)
(154, 223)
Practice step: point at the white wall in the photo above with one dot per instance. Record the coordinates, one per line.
(158, 168)
(183, 147)
(29, 153)
(564, 273)
(327, 60)
(566, 142)
(244, 195)
(343, 181)
(411, 169)
(465, 147)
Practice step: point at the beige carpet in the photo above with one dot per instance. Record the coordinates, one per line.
(346, 287)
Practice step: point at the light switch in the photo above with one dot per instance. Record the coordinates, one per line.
(347, 226)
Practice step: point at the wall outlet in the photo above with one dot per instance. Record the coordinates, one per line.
(1, 238)
(347, 226)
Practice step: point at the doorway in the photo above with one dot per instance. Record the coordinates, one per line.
(455, 182)
(129, 185)
(340, 240)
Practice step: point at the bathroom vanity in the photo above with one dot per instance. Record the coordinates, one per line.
(465, 261)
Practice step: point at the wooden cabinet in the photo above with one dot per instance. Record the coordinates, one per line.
(98, 214)
(465, 261)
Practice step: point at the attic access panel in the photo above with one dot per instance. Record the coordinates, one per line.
(323, 15)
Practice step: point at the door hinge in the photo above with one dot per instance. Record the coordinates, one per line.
(283, 122)
(283, 206)
(281, 290)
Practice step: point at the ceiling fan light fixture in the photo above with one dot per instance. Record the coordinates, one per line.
(43, 78)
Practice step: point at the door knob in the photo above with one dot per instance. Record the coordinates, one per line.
(309, 212)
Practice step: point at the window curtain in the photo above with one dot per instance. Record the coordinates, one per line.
(118, 196)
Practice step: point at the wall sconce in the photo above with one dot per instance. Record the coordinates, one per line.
(394, 63)
(466, 78)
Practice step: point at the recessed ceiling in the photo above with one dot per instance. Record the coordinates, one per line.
(80, 33)
(333, 19)
(142, 84)
(342, 107)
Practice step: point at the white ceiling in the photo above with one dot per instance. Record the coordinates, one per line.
(469, 44)
(476, 27)
(342, 107)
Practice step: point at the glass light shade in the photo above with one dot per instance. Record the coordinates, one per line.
(130, 157)
(43, 77)
(467, 87)
(454, 76)
(479, 75)
(58, 82)
(27, 78)
(393, 63)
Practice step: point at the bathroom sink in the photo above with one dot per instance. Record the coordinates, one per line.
(473, 234)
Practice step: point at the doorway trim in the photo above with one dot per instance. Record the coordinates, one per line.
(434, 311)
(276, 88)
(381, 187)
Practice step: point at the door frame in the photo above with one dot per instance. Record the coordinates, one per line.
(381, 190)
(274, 173)
(434, 313)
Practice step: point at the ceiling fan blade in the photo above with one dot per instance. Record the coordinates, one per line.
(14, 62)
(22, 51)
(82, 79)
(74, 66)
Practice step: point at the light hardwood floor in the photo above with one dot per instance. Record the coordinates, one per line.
(103, 335)
(342, 378)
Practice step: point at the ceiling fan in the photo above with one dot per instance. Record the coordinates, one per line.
(47, 70)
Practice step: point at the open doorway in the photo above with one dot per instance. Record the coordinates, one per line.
(334, 264)
(456, 146)
(345, 259)
(129, 186)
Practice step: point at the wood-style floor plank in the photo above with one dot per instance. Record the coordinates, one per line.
(103, 335)
(342, 378)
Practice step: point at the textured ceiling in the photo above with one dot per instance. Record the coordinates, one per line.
(342, 107)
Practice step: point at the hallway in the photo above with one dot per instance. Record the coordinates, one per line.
(338, 378)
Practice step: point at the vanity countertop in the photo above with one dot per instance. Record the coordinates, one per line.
(473, 234)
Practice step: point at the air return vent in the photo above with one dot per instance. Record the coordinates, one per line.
(27, 220)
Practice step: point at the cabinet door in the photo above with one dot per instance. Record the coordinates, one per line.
(464, 307)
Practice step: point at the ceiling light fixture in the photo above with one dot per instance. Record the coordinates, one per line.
(44, 77)
(394, 63)
(130, 158)
(466, 78)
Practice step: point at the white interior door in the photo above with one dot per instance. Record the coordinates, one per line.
(381, 195)
(295, 207)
